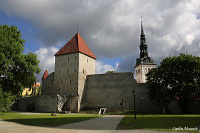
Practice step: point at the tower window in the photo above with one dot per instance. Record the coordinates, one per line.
(59, 71)
(68, 58)
(70, 82)
(138, 70)
(61, 82)
(75, 57)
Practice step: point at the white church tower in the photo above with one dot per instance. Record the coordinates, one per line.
(143, 64)
(72, 63)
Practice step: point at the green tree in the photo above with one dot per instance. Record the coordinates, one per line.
(177, 78)
(39, 90)
(157, 89)
(1, 100)
(16, 69)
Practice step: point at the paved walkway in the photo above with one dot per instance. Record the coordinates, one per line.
(108, 122)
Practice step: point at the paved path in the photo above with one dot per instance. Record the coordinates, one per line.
(108, 122)
(105, 124)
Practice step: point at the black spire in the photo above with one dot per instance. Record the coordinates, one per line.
(143, 45)
(142, 32)
(144, 58)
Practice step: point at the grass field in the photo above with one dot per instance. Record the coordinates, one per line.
(160, 122)
(44, 120)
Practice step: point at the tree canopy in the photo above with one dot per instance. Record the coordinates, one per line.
(16, 69)
(177, 78)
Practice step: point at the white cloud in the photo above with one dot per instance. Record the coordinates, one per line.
(111, 28)
(103, 68)
(47, 60)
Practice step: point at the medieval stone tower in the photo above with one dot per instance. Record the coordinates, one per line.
(72, 63)
(143, 64)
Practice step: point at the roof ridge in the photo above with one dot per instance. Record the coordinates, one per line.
(77, 34)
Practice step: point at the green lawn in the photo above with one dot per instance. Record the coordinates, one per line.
(159, 122)
(44, 120)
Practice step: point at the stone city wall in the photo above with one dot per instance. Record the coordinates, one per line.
(46, 103)
(108, 90)
(48, 85)
(27, 104)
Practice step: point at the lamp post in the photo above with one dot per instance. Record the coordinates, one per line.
(142, 105)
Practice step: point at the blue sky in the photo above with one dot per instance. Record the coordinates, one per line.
(26, 28)
(111, 28)
(32, 44)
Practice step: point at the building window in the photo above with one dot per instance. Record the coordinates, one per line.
(68, 58)
(70, 82)
(149, 69)
(87, 60)
(75, 57)
(138, 70)
(59, 71)
(61, 82)
(74, 70)
(67, 70)
(83, 71)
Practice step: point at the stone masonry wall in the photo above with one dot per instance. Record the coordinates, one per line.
(108, 90)
(27, 104)
(66, 74)
(48, 85)
(46, 103)
(86, 67)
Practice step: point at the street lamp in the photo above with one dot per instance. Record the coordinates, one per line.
(142, 105)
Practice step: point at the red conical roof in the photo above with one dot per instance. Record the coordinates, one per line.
(76, 44)
(45, 75)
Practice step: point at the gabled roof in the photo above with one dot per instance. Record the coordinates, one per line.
(37, 84)
(45, 75)
(76, 44)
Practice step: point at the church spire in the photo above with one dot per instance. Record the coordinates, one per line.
(142, 32)
(144, 63)
(143, 45)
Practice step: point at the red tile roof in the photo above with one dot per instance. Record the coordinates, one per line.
(36, 85)
(76, 44)
(45, 75)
